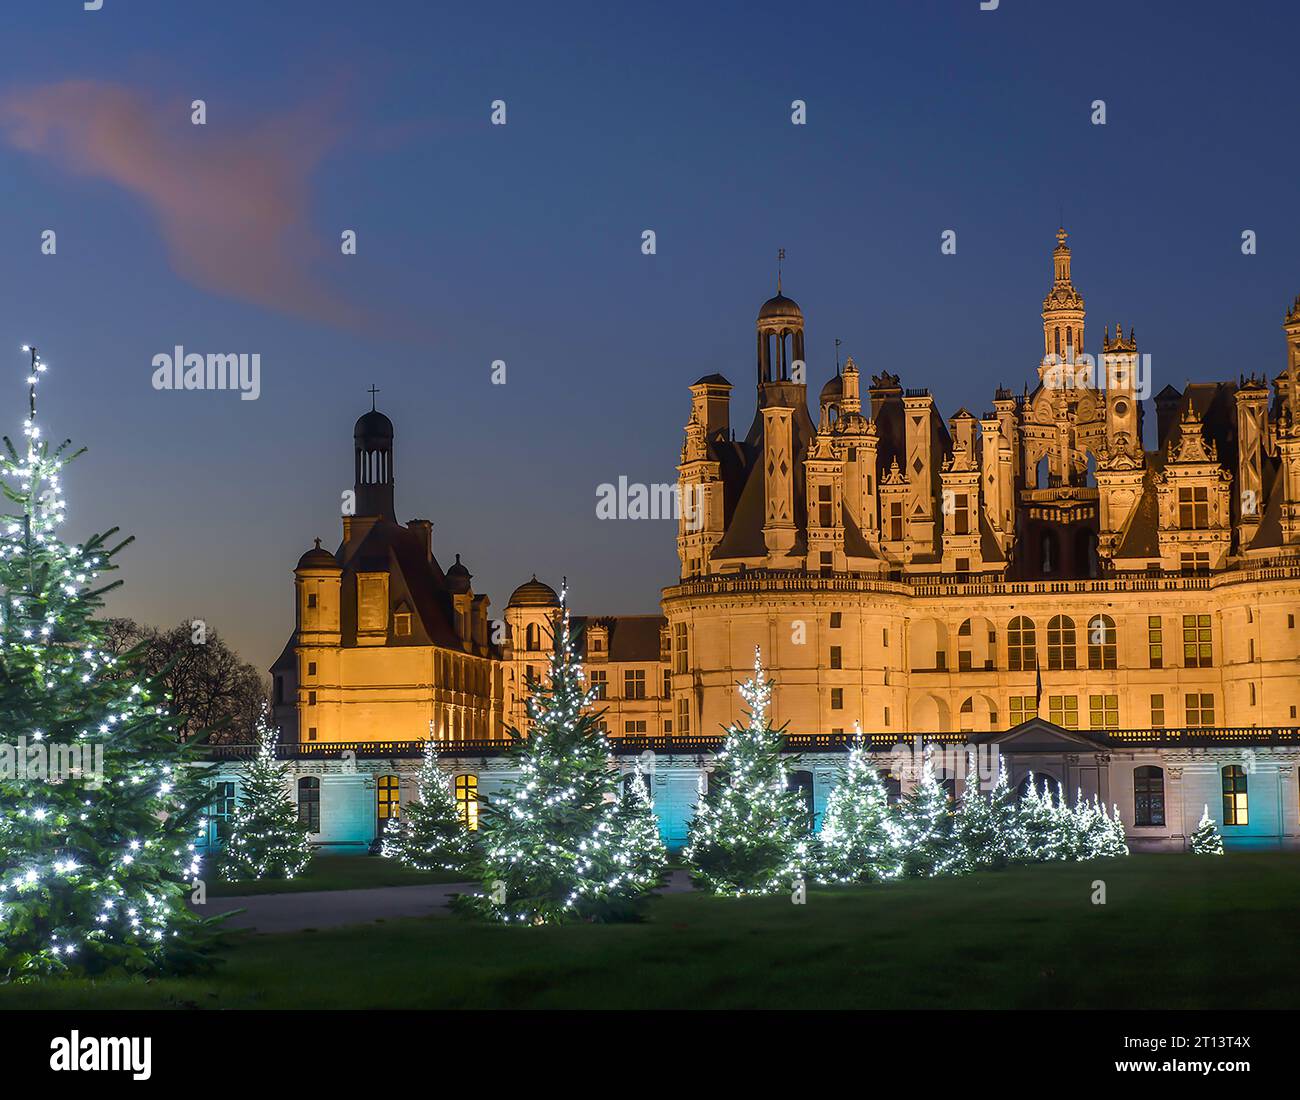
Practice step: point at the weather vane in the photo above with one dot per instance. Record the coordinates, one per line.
(780, 255)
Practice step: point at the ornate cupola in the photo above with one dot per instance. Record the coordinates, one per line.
(373, 442)
(780, 337)
(1063, 311)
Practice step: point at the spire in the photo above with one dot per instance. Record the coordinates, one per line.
(1063, 311)
(780, 255)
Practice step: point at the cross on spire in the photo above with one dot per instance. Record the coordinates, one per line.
(372, 391)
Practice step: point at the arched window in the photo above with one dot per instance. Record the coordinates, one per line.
(533, 637)
(976, 645)
(802, 782)
(1236, 810)
(1049, 554)
(1102, 642)
(1149, 796)
(309, 802)
(1060, 643)
(1022, 645)
(466, 789)
(388, 793)
(1043, 783)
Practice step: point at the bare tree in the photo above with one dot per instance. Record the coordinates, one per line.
(208, 686)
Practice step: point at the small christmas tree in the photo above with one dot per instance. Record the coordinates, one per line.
(859, 841)
(267, 840)
(640, 826)
(1117, 845)
(977, 825)
(1010, 843)
(98, 845)
(1037, 819)
(554, 846)
(430, 834)
(929, 840)
(1093, 829)
(1206, 840)
(749, 834)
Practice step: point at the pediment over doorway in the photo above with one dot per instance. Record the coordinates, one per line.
(1040, 735)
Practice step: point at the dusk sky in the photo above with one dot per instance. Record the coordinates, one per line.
(522, 243)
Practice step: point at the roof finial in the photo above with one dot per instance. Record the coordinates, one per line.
(318, 544)
(837, 355)
(372, 391)
(780, 255)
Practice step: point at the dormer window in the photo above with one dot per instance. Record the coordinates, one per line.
(402, 623)
(1194, 508)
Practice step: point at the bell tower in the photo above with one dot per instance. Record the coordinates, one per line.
(372, 440)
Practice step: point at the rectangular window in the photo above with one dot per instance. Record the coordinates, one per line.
(1103, 712)
(311, 733)
(599, 681)
(1155, 642)
(311, 599)
(668, 726)
(837, 619)
(668, 684)
(884, 637)
(837, 698)
(311, 668)
(1197, 651)
(1200, 709)
(887, 715)
(223, 809)
(896, 521)
(1023, 708)
(1194, 508)
(824, 506)
(1064, 710)
(311, 698)
(634, 683)
(1235, 806)
(633, 727)
(683, 716)
(680, 655)
(837, 657)
(1194, 561)
(402, 624)
(961, 514)
(1157, 712)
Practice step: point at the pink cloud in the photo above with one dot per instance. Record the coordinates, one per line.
(232, 204)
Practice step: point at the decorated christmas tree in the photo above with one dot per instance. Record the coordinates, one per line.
(1010, 842)
(858, 839)
(1037, 820)
(928, 834)
(266, 840)
(979, 844)
(641, 829)
(99, 822)
(1116, 843)
(750, 834)
(1092, 829)
(554, 845)
(1206, 841)
(430, 834)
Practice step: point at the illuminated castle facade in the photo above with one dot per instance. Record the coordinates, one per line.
(1121, 620)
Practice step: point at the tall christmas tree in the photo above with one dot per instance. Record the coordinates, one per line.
(640, 827)
(1118, 843)
(430, 834)
(858, 838)
(99, 822)
(1037, 819)
(1010, 843)
(749, 834)
(267, 840)
(555, 847)
(1206, 841)
(977, 825)
(929, 838)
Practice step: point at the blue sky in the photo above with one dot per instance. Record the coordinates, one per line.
(522, 243)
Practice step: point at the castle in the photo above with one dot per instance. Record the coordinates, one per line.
(1121, 620)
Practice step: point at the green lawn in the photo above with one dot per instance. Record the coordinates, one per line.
(326, 872)
(1176, 932)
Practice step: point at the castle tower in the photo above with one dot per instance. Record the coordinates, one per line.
(780, 339)
(373, 445)
(1123, 409)
(1288, 428)
(1063, 311)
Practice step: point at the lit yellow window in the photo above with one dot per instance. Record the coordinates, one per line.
(467, 800)
(390, 797)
